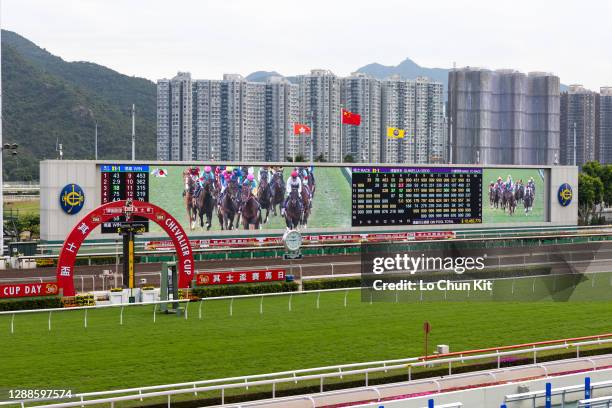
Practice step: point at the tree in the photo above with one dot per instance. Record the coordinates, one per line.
(349, 159)
(590, 194)
(604, 174)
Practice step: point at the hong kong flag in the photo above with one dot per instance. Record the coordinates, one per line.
(300, 129)
(350, 118)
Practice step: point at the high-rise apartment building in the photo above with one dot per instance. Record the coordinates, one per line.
(229, 119)
(174, 120)
(604, 133)
(417, 106)
(236, 120)
(362, 94)
(319, 103)
(282, 111)
(578, 125)
(503, 117)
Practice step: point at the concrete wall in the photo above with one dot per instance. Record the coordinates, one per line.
(55, 224)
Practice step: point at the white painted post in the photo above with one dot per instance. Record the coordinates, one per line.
(318, 297)
(50, 320)
(85, 320)
(232, 307)
(261, 305)
(345, 296)
(186, 310)
(290, 297)
(13, 323)
(200, 309)
(154, 312)
(121, 316)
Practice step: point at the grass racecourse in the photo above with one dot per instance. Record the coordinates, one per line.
(331, 205)
(107, 355)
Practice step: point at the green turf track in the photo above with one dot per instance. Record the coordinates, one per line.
(106, 355)
(493, 215)
(331, 206)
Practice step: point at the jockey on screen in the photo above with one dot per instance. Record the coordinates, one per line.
(251, 183)
(237, 175)
(294, 183)
(225, 179)
(531, 184)
(509, 183)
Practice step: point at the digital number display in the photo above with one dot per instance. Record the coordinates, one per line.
(120, 182)
(387, 196)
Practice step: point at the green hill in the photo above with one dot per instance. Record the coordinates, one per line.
(46, 98)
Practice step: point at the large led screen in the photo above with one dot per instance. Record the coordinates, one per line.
(331, 197)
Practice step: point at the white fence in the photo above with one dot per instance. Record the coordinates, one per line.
(538, 397)
(369, 393)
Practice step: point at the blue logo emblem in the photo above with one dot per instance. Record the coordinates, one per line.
(565, 194)
(72, 199)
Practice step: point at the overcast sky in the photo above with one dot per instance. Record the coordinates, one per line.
(157, 38)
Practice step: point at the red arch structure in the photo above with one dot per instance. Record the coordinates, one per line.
(65, 264)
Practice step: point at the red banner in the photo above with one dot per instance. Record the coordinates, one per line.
(231, 278)
(29, 290)
(426, 235)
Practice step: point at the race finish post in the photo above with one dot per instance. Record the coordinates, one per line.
(129, 230)
(293, 243)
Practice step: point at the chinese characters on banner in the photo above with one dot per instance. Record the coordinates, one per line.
(229, 278)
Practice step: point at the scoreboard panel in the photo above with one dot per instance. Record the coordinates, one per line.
(389, 196)
(120, 182)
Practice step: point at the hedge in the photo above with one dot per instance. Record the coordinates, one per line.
(243, 289)
(50, 302)
(331, 283)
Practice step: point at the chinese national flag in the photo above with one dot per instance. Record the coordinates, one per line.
(350, 118)
(300, 129)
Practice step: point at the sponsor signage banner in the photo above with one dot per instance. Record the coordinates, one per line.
(28, 289)
(309, 239)
(230, 278)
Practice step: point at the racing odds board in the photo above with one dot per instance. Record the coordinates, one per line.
(387, 196)
(120, 182)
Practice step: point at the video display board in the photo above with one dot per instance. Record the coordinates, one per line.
(334, 197)
(386, 196)
(514, 195)
(121, 182)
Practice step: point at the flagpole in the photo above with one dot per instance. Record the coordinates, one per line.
(312, 139)
(341, 147)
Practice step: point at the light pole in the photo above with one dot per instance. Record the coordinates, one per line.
(133, 132)
(96, 140)
(12, 148)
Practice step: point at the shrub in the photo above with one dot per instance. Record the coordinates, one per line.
(243, 289)
(331, 283)
(31, 303)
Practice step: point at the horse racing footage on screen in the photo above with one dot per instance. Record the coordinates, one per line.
(230, 197)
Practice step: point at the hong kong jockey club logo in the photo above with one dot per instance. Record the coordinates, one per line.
(565, 194)
(72, 199)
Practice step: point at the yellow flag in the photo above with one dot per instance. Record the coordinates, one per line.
(395, 133)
